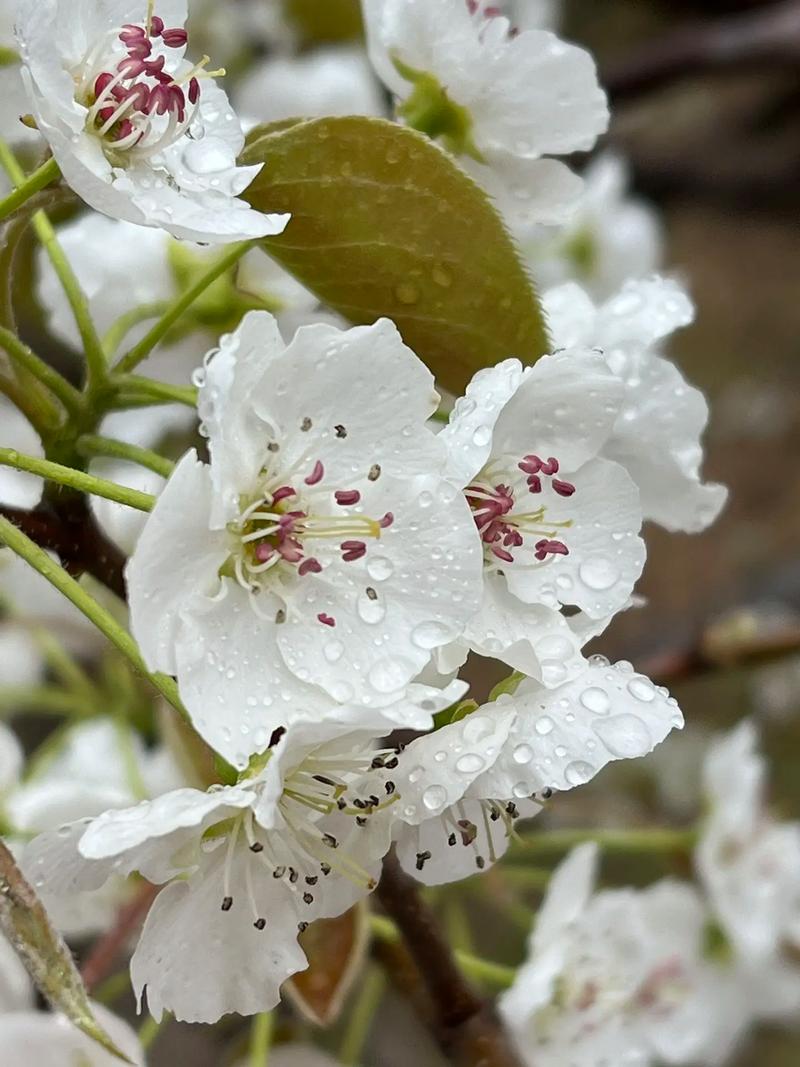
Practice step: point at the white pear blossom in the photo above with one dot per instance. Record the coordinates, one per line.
(610, 238)
(749, 865)
(657, 433)
(328, 81)
(36, 1039)
(139, 132)
(18, 489)
(98, 765)
(463, 787)
(616, 977)
(323, 546)
(559, 522)
(248, 866)
(502, 99)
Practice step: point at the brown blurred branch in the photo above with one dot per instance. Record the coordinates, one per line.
(465, 1026)
(106, 951)
(766, 37)
(72, 533)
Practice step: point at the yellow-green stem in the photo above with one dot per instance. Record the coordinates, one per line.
(74, 479)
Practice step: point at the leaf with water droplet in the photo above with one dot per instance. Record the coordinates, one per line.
(335, 949)
(405, 233)
(43, 951)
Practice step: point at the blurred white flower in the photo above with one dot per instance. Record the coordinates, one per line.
(18, 489)
(139, 132)
(559, 522)
(329, 81)
(500, 99)
(616, 977)
(305, 552)
(610, 238)
(463, 787)
(248, 866)
(37, 1039)
(13, 98)
(657, 433)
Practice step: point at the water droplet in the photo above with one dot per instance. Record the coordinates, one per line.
(440, 757)
(342, 691)
(389, 675)
(379, 568)
(625, 736)
(596, 699)
(371, 611)
(430, 635)
(470, 763)
(523, 754)
(642, 688)
(598, 573)
(521, 790)
(406, 293)
(416, 774)
(578, 772)
(553, 672)
(333, 651)
(482, 436)
(435, 797)
(554, 648)
(476, 728)
(544, 725)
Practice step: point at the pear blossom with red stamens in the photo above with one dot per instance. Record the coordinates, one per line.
(559, 523)
(323, 548)
(140, 132)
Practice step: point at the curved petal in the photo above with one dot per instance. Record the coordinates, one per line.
(176, 560)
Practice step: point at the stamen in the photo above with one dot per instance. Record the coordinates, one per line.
(326, 620)
(317, 474)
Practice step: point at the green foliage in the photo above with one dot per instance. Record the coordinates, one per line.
(386, 223)
(319, 21)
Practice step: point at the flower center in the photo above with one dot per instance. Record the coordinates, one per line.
(502, 519)
(281, 534)
(303, 851)
(134, 105)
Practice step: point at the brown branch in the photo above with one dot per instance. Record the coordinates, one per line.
(107, 950)
(767, 37)
(464, 1025)
(71, 532)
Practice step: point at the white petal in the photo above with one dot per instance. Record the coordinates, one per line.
(16, 988)
(12, 756)
(176, 560)
(186, 928)
(568, 893)
(563, 737)
(36, 1039)
(528, 193)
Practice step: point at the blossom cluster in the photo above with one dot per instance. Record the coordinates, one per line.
(339, 539)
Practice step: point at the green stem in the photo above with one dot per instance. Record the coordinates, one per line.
(159, 331)
(93, 348)
(45, 699)
(30, 186)
(91, 445)
(26, 358)
(84, 483)
(112, 988)
(495, 974)
(655, 840)
(362, 1016)
(157, 392)
(94, 612)
(125, 323)
(261, 1039)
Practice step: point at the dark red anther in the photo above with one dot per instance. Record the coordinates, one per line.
(317, 474)
(126, 128)
(551, 466)
(563, 488)
(534, 484)
(264, 552)
(159, 100)
(346, 497)
(156, 26)
(545, 548)
(194, 91)
(291, 550)
(502, 554)
(386, 521)
(102, 83)
(309, 566)
(530, 464)
(175, 38)
(283, 493)
(326, 620)
(353, 550)
(155, 67)
(132, 67)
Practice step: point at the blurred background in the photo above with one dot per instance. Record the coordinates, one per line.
(706, 112)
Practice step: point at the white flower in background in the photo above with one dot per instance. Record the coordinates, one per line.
(98, 765)
(37, 1039)
(234, 31)
(616, 977)
(248, 866)
(323, 544)
(749, 865)
(558, 521)
(18, 489)
(329, 81)
(609, 239)
(501, 99)
(139, 132)
(16, 989)
(657, 433)
(462, 788)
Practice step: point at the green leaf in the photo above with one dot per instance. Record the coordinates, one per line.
(319, 21)
(386, 223)
(46, 957)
